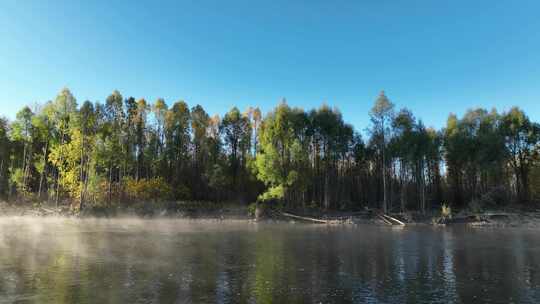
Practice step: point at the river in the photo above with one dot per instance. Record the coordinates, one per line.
(55, 260)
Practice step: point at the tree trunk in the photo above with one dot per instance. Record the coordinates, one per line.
(58, 170)
(57, 187)
(326, 191)
(1, 175)
(403, 192)
(524, 183)
(24, 166)
(385, 197)
(81, 196)
(385, 202)
(44, 171)
(422, 187)
(110, 183)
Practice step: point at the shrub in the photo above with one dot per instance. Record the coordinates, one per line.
(251, 209)
(446, 211)
(153, 189)
(16, 179)
(494, 197)
(476, 205)
(263, 209)
(182, 192)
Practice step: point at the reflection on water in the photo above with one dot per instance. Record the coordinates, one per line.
(180, 261)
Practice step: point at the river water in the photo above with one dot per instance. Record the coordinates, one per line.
(203, 261)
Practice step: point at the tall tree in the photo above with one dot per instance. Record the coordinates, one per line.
(5, 147)
(129, 149)
(381, 114)
(42, 124)
(236, 132)
(140, 120)
(274, 162)
(112, 150)
(177, 141)
(22, 133)
(403, 127)
(521, 137)
(64, 107)
(157, 139)
(254, 115)
(199, 125)
(87, 131)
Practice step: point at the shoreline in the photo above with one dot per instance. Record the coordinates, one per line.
(221, 211)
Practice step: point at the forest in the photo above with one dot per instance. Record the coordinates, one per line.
(127, 150)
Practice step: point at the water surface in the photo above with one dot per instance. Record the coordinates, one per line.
(183, 261)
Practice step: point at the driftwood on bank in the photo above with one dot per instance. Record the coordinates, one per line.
(304, 218)
(382, 218)
(394, 220)
(390, 220)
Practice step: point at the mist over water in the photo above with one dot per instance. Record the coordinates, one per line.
(59, 260)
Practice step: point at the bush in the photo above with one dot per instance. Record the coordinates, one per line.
(182, 193)
(153, 189)
(16, 179)
(495, 197)
(476, 206)
(251, 209)
(446, 211)
(263, 209)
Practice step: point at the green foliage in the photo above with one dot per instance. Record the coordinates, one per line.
(521, 137)
(5, 146)
(274, 162)
(273, 193)
(217, 177)
(236, 132)
(475, 154)
(16, 178)
(182, 192)
(127, 150)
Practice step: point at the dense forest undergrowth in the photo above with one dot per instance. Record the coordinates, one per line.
(130, 153)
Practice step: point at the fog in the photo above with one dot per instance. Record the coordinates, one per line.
(70, 260)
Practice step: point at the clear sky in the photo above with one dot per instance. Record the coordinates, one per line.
(433, 57)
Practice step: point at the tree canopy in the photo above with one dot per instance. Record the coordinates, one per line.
(129, 149)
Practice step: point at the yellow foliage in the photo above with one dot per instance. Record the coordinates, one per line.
(148, 189)
(446, 211)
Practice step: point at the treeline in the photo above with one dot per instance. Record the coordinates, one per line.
(128, 150)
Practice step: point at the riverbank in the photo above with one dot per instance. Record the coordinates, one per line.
(508, 217)
(181, 209)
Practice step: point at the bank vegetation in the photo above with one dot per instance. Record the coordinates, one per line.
(126, 151)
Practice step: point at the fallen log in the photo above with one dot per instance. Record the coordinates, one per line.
(385, 220)
(394, 220)
(49, 210)
(309, 219)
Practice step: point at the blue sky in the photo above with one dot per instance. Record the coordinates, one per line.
(433, 57)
